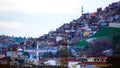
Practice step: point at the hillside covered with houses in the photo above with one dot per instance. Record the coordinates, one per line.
(94, 34)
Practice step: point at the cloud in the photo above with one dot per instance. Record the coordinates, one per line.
(38, 6)
(11, 24)
(13, 28)
(17, 25)
(50, 6)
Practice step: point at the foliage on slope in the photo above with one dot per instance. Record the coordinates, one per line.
(107, 32)
(82, 43)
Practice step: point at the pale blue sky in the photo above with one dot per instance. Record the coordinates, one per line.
(33, 18)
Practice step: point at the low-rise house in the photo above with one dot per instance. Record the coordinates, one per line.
(94, 62)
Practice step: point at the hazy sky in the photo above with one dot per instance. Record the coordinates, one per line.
(37, 17)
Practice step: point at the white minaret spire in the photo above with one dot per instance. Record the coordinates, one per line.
(82, 9)
(37, 52)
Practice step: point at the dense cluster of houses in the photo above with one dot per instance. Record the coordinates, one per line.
(85, 26)
(75, 31)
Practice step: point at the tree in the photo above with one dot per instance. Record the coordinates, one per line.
(117, 48)
(26, 54)
(48, 54)
(116, 39)
(116, 43)
(64, 52)
(51, 54)
(45, 55)
(98, 46)
(57, 54)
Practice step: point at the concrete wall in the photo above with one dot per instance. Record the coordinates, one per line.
(117, 25)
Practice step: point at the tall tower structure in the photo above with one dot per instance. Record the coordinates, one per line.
(81, 10)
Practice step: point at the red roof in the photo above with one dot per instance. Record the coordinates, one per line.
(93, 14)
(32, 52)
(95, 63)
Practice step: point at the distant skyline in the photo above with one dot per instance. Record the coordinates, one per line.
(34, 18)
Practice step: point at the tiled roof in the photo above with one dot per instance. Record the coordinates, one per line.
(95, 63)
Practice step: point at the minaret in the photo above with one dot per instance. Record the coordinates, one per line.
(37, 51)
(81, 10)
